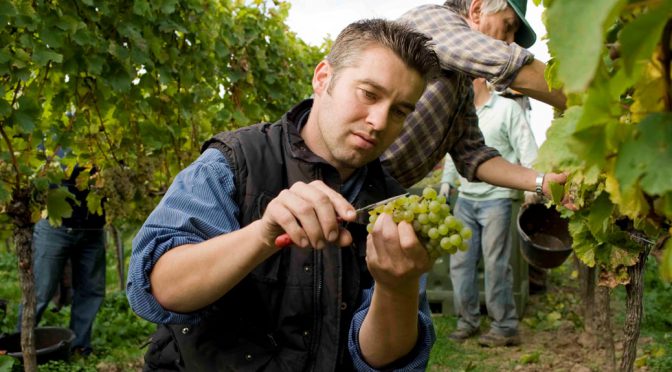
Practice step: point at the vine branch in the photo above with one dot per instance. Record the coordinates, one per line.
(15, 163)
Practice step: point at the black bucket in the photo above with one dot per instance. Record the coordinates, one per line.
(544, 236)
(51, 343)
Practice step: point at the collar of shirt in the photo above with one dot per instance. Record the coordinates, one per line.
(296, 118)
(489, 103)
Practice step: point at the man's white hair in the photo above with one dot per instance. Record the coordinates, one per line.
(487, 7)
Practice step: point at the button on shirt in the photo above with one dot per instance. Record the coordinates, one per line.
(200, 204)
(444, 119)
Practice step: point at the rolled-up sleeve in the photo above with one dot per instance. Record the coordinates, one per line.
(418, 358)
(444, 120)
(199, 205)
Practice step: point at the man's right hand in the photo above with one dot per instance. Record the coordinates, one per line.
(310, 214)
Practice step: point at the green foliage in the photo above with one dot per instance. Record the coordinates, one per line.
(569, 19)
(118, 334)
(615, 137)
(6, 363)
(135, 87)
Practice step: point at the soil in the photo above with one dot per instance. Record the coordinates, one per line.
(559, 345)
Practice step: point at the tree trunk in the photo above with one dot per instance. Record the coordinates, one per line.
(19, 211)
(120, 256)
(633, 316)
(587, 280)
(605, 332)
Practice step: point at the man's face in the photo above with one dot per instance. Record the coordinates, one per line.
(501, 25)
(357, 115)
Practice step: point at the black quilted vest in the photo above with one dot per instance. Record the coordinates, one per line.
(293, 312)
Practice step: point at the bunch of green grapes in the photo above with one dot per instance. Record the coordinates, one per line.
(432, 221)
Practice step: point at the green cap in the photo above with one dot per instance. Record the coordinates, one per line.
(525, 35)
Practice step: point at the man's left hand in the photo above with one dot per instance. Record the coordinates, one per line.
(395, 257)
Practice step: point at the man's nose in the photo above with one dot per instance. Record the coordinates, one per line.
(378, 116)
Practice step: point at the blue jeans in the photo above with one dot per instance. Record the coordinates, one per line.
(489, 221)
(86, 249)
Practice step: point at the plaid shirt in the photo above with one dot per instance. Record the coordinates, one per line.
(445, 119)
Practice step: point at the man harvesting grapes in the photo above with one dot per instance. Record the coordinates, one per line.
(205, 265)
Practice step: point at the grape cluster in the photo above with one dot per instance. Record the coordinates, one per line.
(439, 230)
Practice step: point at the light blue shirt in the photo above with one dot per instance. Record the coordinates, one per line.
(199, 205)
(505, 127)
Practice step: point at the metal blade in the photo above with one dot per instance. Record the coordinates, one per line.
(362, 213)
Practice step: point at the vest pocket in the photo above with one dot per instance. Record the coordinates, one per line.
(162, 354)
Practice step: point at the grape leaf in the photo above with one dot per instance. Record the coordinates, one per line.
(94, 201)
(587, 20)
(58, 206)
(554, 152)
(641, 36)
(601, 103)
(631, 201)
(599, 216)
(557, 192)
(647, 156)
(589, 146)
(583, 243)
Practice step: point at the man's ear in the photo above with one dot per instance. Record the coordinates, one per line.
(321, 77)
(474, 13)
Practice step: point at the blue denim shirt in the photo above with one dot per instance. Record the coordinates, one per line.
(199, 205)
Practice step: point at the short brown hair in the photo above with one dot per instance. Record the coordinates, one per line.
(412, 47)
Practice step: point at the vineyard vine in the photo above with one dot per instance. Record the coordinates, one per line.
(612, 58)
(134, 88)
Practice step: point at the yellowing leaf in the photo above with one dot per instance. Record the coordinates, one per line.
(649, 92)
(631, 201)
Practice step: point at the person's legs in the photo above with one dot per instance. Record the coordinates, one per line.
(464, 273)
(88, 279)
(495, 217)
(51, 246)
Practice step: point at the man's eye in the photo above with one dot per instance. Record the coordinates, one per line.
(399, 113)
(366, 95)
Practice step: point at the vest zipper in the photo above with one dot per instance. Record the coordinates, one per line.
(317, 312)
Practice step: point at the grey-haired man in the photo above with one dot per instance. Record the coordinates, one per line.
(473, 38)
